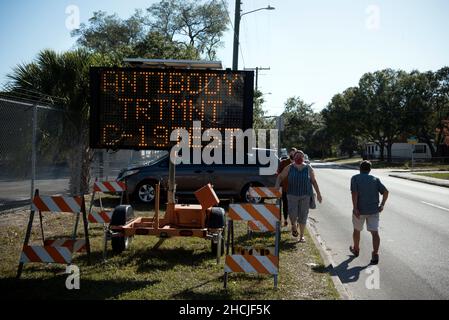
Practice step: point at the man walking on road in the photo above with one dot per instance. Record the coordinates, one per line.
(365, 190)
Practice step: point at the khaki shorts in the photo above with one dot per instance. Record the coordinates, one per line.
(298, 208)
(372, 222)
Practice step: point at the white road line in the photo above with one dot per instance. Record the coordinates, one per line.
(434, 205)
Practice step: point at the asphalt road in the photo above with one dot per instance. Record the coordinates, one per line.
(14, 194)
(414, 230)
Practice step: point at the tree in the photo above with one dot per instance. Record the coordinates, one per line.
(381, 108)
(110, 35)
(197, 25)
(321, 142)
(348, 145)
(65, 76)
(440, 100)
(419, 108)
(300, 124)
(260, 120)
(342, 121)
(170, 29)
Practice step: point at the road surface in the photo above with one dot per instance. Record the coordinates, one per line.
(17, 193)
(414, 230)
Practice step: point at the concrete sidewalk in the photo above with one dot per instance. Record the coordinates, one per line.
(414, 177)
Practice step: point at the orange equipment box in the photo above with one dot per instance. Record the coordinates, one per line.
(207, 197)
(190, 216)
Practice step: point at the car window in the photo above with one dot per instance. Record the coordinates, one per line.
(164, 163)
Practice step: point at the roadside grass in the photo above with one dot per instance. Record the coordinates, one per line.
(344, 160)
(376, 164)
(438, 175)
(181, 268)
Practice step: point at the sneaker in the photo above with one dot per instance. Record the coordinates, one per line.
(353, 251)
(374, 258)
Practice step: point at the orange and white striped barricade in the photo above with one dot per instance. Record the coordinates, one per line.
(265, 216)
(54, 250)
(104, 216)
(263, 193)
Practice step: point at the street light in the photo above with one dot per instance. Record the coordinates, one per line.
(237, 17)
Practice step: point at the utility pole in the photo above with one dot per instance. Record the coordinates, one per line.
(257, 74)
(235, 56)
(237, 18)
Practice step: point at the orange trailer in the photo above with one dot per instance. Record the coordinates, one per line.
(201, 220)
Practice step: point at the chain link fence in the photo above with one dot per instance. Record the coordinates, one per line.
(29, 155)
(32, 157)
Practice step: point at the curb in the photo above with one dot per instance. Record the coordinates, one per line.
(327, 258)
(435, 183)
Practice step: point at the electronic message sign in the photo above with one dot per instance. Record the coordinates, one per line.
(138, 108)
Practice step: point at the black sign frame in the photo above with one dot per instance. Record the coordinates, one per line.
(95, 98)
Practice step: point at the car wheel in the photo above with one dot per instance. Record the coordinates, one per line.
(145, 192)
(246, 196)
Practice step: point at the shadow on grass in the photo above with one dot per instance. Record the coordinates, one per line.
(218, 294)
(162, 259)
(285, 244)
(224, 294)
(55, 288)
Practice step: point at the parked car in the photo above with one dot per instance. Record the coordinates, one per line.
(229, 181)
(306, 159)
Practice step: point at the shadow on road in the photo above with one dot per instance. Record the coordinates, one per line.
(9, 205)
(346, 274)
(343, 271)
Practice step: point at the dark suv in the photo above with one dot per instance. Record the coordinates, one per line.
(229, 181)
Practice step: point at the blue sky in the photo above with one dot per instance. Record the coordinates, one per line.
(314, 49)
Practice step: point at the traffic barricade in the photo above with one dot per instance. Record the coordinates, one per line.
(262, 217)
(54, 250)
(103, 216)
(263, 193)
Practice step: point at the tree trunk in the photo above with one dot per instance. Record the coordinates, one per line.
(80, 159)
(429, 143)
(381, 148)
(389, 147)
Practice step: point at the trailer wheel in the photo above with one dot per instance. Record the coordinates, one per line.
(120, 216)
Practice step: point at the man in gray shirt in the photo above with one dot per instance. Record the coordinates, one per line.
(365, 190)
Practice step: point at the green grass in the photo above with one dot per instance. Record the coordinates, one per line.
(444, 176)
(355, 161)
(182, 268)
(345, 160)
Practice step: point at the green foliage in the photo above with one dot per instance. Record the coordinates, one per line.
(301, 125)
(172, 29)
(388, 106)
(260, 120)
(64, 76)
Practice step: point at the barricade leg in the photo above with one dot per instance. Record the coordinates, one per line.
(105, 241)
(27, 236)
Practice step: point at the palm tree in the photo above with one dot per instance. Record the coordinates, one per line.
(66, 77)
